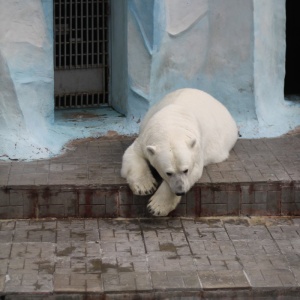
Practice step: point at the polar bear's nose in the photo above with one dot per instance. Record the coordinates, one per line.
(180, 194)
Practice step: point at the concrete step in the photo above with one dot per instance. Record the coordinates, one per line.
(261, 177)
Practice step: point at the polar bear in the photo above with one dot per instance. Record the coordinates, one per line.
(187, 130)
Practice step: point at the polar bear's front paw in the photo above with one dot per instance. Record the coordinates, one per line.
(159, 207)
(143, 185)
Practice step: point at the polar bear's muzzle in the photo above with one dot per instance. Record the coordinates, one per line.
(178, 185)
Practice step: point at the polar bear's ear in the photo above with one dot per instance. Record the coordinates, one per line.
(192, 143)
(151, 150)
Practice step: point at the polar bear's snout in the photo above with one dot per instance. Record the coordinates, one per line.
(179, 188)
(179, 185)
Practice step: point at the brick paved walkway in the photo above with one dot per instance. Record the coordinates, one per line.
(152, 258)
(261, 177)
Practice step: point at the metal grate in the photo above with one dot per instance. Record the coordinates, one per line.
(81, 53)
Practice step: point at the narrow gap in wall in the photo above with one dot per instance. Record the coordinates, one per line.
(292, 63)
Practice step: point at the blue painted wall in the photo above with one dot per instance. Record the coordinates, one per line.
(233, 49)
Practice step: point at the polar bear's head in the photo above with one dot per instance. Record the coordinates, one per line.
(175, 163)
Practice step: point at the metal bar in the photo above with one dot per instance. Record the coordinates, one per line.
(98, 39)
(59, 35)
(92, 42)
(98, 34)
(65, 37)
(87, 34)
(71, 34)
(76, 35)
(82, 40)
(103, 50)
(55, 33)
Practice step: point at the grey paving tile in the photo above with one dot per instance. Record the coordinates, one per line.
(175, 280)
(223, 279)
(127, 281)
(296, 221)
(5, 249)
(2, 282)
(132, 255)
(4, 266)
(271, 278)
(257, 232)
(254, 247)
(28, 283)
(6, 236)
(77, 283)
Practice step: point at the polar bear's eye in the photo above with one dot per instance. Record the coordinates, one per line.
(185, 171)
(169, 173)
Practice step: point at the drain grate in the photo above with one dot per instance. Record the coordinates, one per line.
(81, 53)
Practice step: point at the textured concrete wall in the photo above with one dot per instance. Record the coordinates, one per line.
(26, 68)
(276, 116)
(233, 49)
(193, 44)
(27, 127)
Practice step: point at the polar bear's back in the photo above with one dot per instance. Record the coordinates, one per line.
(192, 101)
(216, 127)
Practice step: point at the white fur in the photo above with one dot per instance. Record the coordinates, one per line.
(184, 132)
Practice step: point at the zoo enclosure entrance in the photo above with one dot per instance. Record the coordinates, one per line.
(292, 62)
(81, 55)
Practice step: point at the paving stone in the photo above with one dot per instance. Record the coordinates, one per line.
(28, 283)
(254, 247)
(243, 232)
(2, 282)
(223, 279)
(7, 225)
(78, 235)
(106, 256)
(3, 266)
(76, 283)
(125, 281)
(175, 280)
(271, 278)
(5, 249)
(296, 221)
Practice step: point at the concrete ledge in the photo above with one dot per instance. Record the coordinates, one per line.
(262, 294)
(235, 199)
(261, 177)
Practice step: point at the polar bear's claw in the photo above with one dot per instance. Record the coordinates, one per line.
(142, 188)
(152, 212)
(158, 209)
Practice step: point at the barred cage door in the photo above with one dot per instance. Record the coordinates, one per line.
(81, 53)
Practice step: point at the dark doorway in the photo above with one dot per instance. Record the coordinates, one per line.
(81, 53)
(292, 63)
